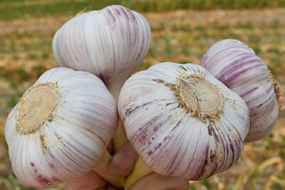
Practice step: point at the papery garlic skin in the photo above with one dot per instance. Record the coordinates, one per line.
(182, 121)
(237, 66)
(60, 127)
(109, 43)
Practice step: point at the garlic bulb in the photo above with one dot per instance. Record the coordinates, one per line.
(89, 182)
(237, 66)
(109, 43)
(60, 127)
(182, 121)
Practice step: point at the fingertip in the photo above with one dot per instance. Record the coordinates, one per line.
(123, 161)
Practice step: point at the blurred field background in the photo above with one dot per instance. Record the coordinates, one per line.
(181, 32)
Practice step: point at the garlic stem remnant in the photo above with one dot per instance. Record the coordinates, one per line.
(237, 66)
(109, 43)
(60, 128)
(195, 94)
(38, 101)
(182, 121)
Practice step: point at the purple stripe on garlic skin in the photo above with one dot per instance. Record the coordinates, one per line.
(231, 45)
(110, 43)
(168, 136)
(71, 139)
(237, 66)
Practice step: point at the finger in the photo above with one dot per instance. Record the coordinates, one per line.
(102, 169)
(159, 182)
(89, 182)
(123, 161)
(110, 187)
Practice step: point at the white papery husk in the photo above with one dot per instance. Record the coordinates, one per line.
(72, 139)
(237, 66)
(172, 141)
(109, 43)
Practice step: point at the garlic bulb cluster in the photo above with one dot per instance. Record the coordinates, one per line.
(60, 127)
(109, 43)
(237, 66)
(182, 121)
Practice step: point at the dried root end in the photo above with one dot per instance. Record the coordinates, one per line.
(277, 91)
(36, 107)
(197, 97)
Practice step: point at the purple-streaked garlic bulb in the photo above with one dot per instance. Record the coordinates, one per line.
(237, 66)
(109, 43)
(182, 121)
(60, 128)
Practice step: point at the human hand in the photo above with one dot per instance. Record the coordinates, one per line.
(92, 181)
(122, 164)
(112, 168)
(158, 182)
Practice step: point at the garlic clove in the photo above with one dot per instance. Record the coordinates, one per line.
(109, 43)
(182, 121)
(237, 66)
(60, 128)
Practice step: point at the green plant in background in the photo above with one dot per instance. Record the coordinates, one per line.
(15, 9)
(276, 24)
(45, 55)
(257, 50)
(185, 47)
(168, 47)
(38, 70)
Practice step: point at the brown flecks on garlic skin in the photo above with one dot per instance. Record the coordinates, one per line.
(175, 128)
(110, 43)
(237, 66)
(60, 128)
(277, 91)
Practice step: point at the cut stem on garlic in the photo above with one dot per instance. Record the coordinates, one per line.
(36, 107)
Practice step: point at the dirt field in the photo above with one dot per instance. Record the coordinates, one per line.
(178, 36)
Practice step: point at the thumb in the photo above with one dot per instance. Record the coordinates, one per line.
(123, 161)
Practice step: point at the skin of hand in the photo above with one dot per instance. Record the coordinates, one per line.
(159, 182)
(91, 181)
(123, 163)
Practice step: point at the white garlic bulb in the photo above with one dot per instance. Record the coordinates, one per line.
(182, 121)
(92, 181)
(60, 127)
(237, 66)
(109, 43)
